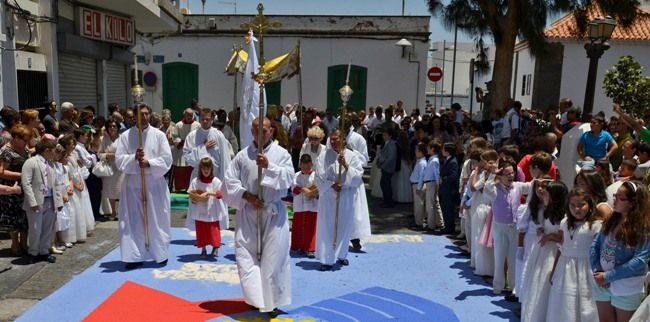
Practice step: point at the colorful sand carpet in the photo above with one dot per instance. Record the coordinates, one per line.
(397, 278)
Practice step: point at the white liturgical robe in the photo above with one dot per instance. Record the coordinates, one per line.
(132, 237)
(361, 225)
(194, 150)
(266, 284)
(326, 173)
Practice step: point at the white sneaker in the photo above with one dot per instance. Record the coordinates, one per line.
(60, 247)
(68, 245)
(54, 250)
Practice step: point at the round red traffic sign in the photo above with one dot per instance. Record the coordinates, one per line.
(434, 74)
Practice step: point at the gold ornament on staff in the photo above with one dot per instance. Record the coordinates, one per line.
(260, 24)
(137, 92)
(345, 91)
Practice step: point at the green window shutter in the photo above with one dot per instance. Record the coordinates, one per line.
(180, 87)
(273, 93)
(358, 81)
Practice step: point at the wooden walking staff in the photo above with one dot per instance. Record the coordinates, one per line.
(137, 92)
(259, 25)
(345, 91)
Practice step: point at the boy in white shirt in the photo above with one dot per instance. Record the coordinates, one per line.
(432, 179)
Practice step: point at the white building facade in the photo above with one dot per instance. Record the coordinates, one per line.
(540, 82)
(190, 66)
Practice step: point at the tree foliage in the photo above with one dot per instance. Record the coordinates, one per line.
(625, 84)
(507, 20)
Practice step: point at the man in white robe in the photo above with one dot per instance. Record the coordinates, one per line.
(266, 282)
(181, 171)
(568, 160)
(361, 224)
(155, 158)
(329, 251)
(207, 141)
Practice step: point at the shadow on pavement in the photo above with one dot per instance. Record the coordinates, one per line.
(184, 242)
(191, 258)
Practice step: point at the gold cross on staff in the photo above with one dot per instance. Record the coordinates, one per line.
(259, 25)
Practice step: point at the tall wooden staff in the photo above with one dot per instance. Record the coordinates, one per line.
(345, 91)
(237, 49)
(302, 129)
(259, 25)
(137, 92)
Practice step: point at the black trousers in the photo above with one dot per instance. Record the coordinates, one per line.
(386, 187)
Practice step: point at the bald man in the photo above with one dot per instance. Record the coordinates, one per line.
(266, 281)
(182, 172)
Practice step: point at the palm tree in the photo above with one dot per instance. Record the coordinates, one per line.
(504, 20)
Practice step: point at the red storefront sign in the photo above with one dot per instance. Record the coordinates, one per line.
(107, 27)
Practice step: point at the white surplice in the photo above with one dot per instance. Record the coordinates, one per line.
(266, 284)
(180, 132)
(361, 224)
(326, 174)
(132, 237)
(194, 150)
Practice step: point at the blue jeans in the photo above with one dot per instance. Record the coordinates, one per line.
(386, 187)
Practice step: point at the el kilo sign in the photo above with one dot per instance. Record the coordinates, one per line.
(107, 27)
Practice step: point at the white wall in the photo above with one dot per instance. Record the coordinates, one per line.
(576, 66)
(525, 65)
(3, 37)
(390, 77)
(8, 62)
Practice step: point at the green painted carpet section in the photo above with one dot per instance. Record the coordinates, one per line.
(180, 201)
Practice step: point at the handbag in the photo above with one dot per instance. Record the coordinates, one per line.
(103, 169)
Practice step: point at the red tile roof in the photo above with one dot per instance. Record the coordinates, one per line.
(566, 27)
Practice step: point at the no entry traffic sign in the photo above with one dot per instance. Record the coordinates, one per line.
(434, 74)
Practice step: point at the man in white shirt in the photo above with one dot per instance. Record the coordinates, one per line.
(288, 117)
(511, 125)
(565, 105)
(331, 123)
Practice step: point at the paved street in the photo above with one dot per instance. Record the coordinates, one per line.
(24, 285)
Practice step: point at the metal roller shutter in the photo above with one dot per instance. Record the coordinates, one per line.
(116, 83)
(77, 80)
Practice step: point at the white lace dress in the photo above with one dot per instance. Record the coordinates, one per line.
(537, 271)
(402, 190)
(571, 293)
(483, 256)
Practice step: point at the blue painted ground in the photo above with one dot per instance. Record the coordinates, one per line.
(399, 278)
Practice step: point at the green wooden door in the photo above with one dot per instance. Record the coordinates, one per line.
(180, 87)
(273, 93)
(358, 82)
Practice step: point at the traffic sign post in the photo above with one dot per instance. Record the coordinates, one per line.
(434, 74)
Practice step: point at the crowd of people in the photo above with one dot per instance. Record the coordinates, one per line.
(554, 212)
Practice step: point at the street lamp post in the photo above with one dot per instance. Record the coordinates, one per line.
(600, 30)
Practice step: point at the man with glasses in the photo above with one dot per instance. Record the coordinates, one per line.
(154, 158)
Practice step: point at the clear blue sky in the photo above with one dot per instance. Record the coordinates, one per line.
(329, 7)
